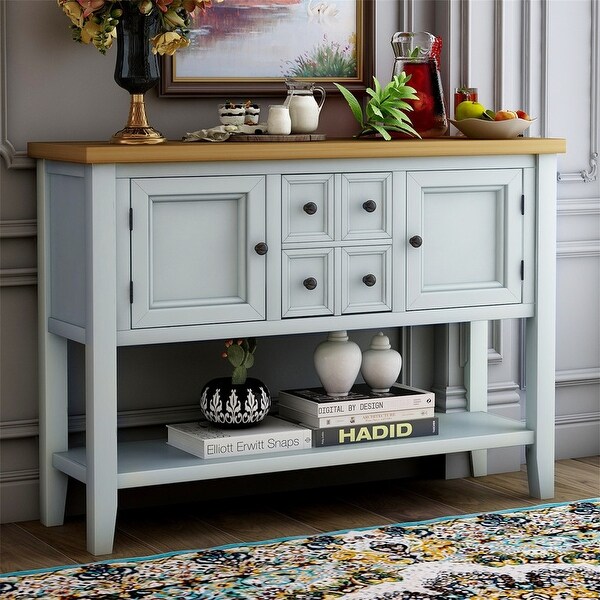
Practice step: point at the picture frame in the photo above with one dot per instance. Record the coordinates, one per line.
(242, 48)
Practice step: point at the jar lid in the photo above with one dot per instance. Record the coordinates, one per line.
(380, 342)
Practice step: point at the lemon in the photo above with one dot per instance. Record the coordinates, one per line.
(469, 110)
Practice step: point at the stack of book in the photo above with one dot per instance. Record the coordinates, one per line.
(362, 415)
(205, 440)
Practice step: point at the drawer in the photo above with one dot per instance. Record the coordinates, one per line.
(307, 212)
(366, 206)
(307, 282)
(366, 279)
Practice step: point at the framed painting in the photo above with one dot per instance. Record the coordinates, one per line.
(245, 48)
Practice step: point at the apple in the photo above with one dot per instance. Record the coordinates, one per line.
(505, 115)
(521, 114)
(469, 110)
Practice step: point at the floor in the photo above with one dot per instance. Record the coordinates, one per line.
(30, 545)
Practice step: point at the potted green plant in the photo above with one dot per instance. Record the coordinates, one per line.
(239, 400)
(386, 110)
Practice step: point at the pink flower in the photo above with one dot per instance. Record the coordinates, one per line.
(163, 4)
(90, 6)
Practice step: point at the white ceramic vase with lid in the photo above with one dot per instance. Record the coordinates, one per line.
(381, 364)
(337, 362)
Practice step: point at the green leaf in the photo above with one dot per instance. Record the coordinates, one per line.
(235, 354)
(384, 134)
(353, 103)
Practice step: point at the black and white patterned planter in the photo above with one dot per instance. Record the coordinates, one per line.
(235, 405)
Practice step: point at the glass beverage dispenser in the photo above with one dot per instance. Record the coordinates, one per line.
(417, 54)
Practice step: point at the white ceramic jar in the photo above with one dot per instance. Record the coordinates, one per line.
(279, 121)
(305, 111)
(381, 364)
(337, 362)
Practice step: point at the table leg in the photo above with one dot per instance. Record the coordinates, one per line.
(476, 382)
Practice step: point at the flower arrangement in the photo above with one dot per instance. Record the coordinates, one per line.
(241, 355)
(95, 21)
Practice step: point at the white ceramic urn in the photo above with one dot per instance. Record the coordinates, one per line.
(337, 362)
(381, 364)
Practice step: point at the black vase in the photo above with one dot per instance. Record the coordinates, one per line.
(137, 71)
(235, 405)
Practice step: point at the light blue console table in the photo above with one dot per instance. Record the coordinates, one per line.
(181, 242)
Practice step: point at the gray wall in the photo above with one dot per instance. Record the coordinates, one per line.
(513, 51)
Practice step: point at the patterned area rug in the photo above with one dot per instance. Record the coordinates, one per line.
(549, 552)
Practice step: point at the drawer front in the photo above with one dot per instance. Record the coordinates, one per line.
(366, 279)
(307, 282)
(366, 206)
(307, 208)
(193, 259)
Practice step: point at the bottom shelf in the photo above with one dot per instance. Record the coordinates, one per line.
(154, 462)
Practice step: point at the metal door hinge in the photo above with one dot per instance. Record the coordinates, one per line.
(523, 204)
(522, 270)
(131, 292)
(131, 219)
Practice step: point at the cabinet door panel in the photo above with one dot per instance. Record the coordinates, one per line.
(366, 279)
(307, 208)
(464, 238)
(193, 258)
(308, 282)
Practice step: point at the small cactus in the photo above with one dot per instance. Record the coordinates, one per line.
(241, 355)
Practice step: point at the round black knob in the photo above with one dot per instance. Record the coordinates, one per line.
(416, 241)
(370, 280)
(310, 208)
(261, 248)
(369, 205)
(310, 283)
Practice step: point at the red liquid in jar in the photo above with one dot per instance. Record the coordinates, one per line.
(428, 115)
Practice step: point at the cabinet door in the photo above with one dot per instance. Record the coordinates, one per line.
(464, 238)
(193, 257)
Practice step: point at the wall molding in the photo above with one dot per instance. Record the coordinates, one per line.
(586, 418)
(591, 174)
(499, 78)
(578, 207)
(14, 159)
(12, 277)
(407, 12)
(578, 249)
(126, 419)
(465, 43)
(19, 475)
(496, 343)
(18, 228)
(570, 377)
(526, 56)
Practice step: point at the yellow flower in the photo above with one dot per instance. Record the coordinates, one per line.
(168, 43)
(74, 11)
(89, 31)
(172, 20)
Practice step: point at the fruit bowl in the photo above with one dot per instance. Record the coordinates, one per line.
(492, 130)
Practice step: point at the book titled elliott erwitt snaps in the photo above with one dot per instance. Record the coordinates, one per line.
(205, 440)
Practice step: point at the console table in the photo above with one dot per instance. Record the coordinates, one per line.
(180, 242)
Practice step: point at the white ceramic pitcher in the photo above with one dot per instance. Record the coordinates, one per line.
(304, 109)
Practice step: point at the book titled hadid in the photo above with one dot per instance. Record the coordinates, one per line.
(373, 432)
